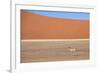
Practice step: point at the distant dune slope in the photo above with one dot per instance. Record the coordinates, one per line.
(35, 26)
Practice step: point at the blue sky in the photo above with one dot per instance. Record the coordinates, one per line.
(62, 14)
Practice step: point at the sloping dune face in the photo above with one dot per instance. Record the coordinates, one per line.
(35, 26)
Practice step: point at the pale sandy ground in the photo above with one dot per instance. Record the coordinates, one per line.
(43, 51)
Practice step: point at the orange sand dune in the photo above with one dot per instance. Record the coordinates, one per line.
(35, 26)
